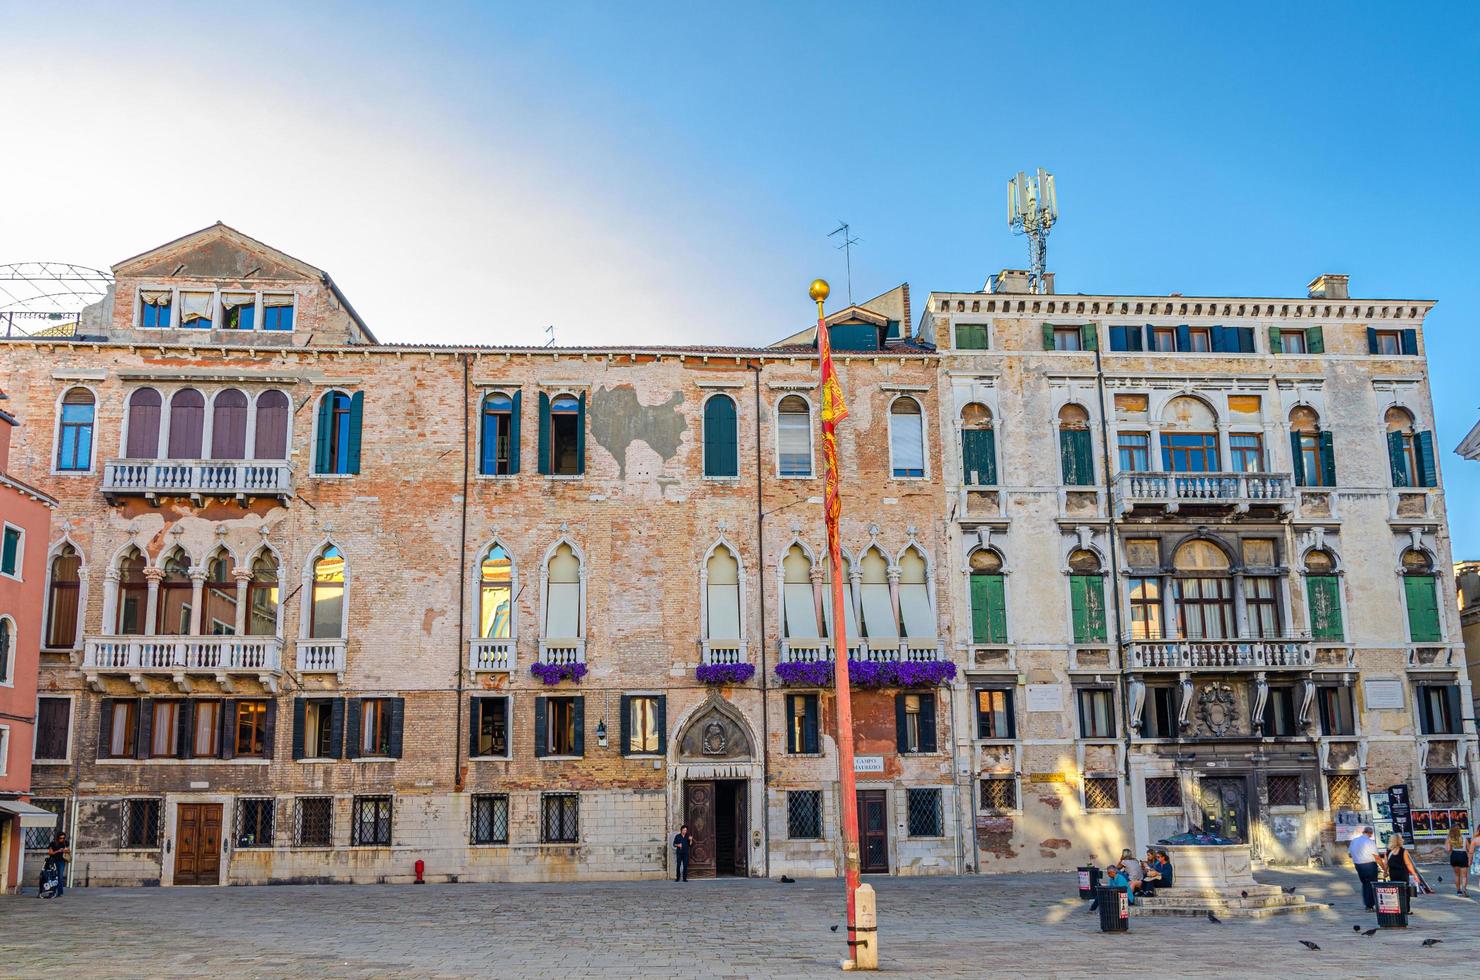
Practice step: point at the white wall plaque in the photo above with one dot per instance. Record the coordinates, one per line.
(868, 763)
(1383, 693)
(1045, 697)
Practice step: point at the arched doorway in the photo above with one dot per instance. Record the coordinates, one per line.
(718, 790)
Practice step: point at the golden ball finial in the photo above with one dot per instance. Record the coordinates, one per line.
(818, 290)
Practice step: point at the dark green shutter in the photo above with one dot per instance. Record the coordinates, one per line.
(1297, 459)
(544, 433)
(514, 432)
(300, 706)
(183, 727)
(1315, 340)
(1372, 340)
(356, 414)
(988, 619)
(269, 730)
(352, 730)
(1409, 341)
(581, 435)
(1451, 700)
(143, 728)
(580, 713)
(1423, 448)
(979, 457)
(398, 721)
(663, 724)
(322, 463)
(541, 748)
(226, 738)
(901, 724)
(475, 725)
(105, 726)
(721, 457)
(927, 722)
(809, 723)
(1323, 602)
(336, 729)
(1423, 611)
(625, 707)
(1088, 338)
(1328, 459)
(1087, 597)
(1048, 343)
(1396, 461)
(1076, 458)
(791, 707)
(1184, 337)
(1276, 345)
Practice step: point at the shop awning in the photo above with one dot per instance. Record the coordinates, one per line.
(31, 816)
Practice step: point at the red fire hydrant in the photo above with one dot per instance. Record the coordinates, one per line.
(421, 867)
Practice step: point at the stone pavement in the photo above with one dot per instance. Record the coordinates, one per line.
(1020, 925)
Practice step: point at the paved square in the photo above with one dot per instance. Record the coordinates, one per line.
(1021, 925)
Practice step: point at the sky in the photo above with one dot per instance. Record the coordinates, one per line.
(646, 172)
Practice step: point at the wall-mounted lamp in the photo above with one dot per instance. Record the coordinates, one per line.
(601, 733)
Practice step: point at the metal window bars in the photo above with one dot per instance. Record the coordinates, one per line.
(490, 819)
(313, 821)
(254, 821)
(924, 811)
(804, 814)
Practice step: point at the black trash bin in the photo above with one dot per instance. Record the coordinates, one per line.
(1089, 880)
(1115, 909)
(1392, 904)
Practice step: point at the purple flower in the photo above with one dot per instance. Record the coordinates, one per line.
(724, 673)
(806, 674)
(555, 673)
(870, 673)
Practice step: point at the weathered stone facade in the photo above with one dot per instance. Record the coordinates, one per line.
(439, 520)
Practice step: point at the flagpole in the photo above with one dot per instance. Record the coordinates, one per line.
(833, 411)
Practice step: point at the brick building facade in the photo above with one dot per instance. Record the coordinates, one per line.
(338, 606)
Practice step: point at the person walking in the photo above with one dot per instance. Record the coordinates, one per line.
(59, 852)
(1368, 861)
(682, 843)
(1460, 854)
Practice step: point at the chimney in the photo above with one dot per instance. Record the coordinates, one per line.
(1009, 281)
(1328, 286)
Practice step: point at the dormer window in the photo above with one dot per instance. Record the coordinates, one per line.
(238, 311)
(195, 310)
(277, 311)
(154, 308)
(854, 336)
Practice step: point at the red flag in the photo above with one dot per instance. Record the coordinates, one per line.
(833, 412)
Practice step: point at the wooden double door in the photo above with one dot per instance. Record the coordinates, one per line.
(198, 844)
(718, 814)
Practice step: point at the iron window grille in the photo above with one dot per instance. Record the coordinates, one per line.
(490, 820)
(999, 793)
(1102, 793)
(140, 823)
(804, 814)
(1284, 790)
(39, 838)
(1345, 791)
(371, 826)
(925, 813)
(254, 821)
(1444, 788)
(560, 821)
(1163, 792)
(313, 821)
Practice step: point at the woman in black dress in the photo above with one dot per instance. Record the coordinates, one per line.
(1399, 863)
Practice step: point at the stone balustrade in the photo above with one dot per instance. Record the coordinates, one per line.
(490, 655)
(1245, 653)
(1172, 490)
(198, 477)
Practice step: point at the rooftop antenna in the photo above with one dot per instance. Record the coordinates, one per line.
(848, 242)
(550, 329)
(1032, 209)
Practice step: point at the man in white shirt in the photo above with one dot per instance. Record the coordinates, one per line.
(1367, 858)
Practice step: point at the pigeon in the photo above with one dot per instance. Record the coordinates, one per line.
(1243, 894)
(1371, 932)
(1308, 944)
(1356, 928)
(1213, 918)
(1432, 942)
(1288, 889)
(833, 928)
(1095, 904)
(788, 881)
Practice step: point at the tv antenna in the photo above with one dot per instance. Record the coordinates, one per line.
(1032, 209)
(848, 242)
(550, 329)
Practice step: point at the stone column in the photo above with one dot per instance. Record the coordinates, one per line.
(243, 576)
(197, 588)
(111, 579)
(151, 608)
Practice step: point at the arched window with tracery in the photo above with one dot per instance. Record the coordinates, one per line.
(563, 614)
(172, 610)
(326, 604)
(219, 616)
(799, 602)
(64, 589)
(1323, 596)
(850, 601)
(880, 624)
(133, 594)
(722, 594)
(496, 594)
(263, 596)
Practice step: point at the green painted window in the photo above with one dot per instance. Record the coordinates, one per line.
(1323, 599)
(10, 551)
(1075, 458)
(1423, 609)
(1087, 594)
(971, 336)
(721, 456)
(978, 457)
(988, 609)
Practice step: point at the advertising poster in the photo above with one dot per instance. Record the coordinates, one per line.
(1401, 811)
(1382, 815)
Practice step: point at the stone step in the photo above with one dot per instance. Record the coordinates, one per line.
(1236, 891)
(1252, 902)
(1231, 913)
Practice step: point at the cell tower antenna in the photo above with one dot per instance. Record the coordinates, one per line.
(1032, 209)
(848, 242)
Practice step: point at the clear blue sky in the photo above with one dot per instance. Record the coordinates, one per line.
(654, 171)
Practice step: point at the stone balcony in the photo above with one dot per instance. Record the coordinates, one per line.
(197, 478)
(320, 656)
(722, 652)
(1241, 654)
(911, 649)
(1232, 492)
(562, 650)
(179, 658)
(488, 655)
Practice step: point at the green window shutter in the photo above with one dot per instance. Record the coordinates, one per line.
(1315, 340)
(901, 725)
(1423, 610)
(514, 432)
(1048, 343)
(321, 447)
(1372, 340)
(624, 734)
(1276, 346)
(544, 433)
(980, 621)
(1066, 458)
(1328, 459)
(1297, 459)
(978, 457)
(1323, 602)
(1075, 457)
(1087, 595)
(541, 749)
(996, 609)
(1408, 341)
(356, 414)
(720, 451)
(581, 435)
(1088, 338)
(1396, 462)
(1423, 445)
(8, 550)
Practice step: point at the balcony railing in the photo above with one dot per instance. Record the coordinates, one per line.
(1172, 490)
(562, 651)
(1243, 653)
(488, 655)
(178, 656)
(723, 652)
(320, 656)
(909, 650)
(198, 477)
